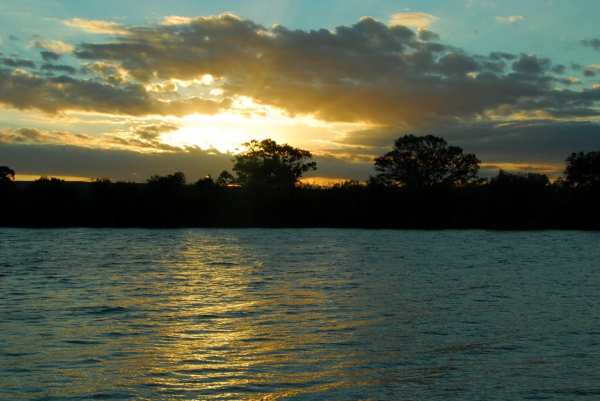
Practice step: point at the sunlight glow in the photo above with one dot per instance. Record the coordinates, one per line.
(206, 79)
(33, 177)
(552, 170)
(247, 120)
(222, 139)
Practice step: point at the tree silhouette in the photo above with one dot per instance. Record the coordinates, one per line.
(583, 169)
(171, 180)
(427, 160)
(6, 174)
(268, 164)
(225, 179)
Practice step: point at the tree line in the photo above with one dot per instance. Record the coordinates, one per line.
(422, 183)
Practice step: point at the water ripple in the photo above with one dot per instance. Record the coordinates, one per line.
(298, 314)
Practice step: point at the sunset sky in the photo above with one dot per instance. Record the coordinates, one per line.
(127, 89)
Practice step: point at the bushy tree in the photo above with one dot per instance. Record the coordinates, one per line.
(533, 182)
(268, 164)
(225, 179)
(426, 160)
(176, 179)
(205, 183)
(583, 169)
(6, 174)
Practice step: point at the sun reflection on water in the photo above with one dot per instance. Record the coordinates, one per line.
(228, 327)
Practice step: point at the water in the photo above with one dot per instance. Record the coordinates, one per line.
(299, 314)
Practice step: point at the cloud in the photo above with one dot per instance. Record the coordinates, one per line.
(66, 160)
(112, 74)
(413, 19)
(593, 43)
(426, 34)
(152, 132)
(95, 26)
(530, 65)
(140, 138)
(50, 56)
(513, 19)
(23, 91)
(53, 45)
(176, 20)
(457, 64)
(569, 81)
(591, 70)
(163, 87)
(61, 68)
(17, 62)
(34, 135)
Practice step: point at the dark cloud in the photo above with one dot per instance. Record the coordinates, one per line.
(457, 63)
(49, 56)
(366, 72)
(426, 34)
(12, 37)
(501, 56)
(151, 132)
(62, 68)
(531, 65)
(593, 43)
(114, 164)
(17, 62)
(568, 81)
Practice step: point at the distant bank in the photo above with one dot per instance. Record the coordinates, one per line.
(516, 202)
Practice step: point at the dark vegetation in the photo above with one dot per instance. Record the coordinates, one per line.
(422, 184)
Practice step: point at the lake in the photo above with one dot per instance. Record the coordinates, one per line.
(310, 314)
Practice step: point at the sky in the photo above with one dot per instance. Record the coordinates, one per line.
(129, 89)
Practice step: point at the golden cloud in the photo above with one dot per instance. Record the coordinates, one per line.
(52, 45)
(413, 19)
(95, 26)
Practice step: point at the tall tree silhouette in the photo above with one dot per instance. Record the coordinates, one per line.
(268, 164)
(583, 169)
(6, 174)
(419, 161)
